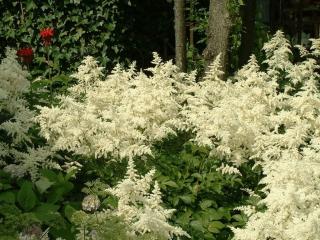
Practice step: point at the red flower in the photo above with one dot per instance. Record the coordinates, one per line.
(25, 54)
(46, 35)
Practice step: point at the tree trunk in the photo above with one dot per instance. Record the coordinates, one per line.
(218, 33)
(180, 34)
(248, 12)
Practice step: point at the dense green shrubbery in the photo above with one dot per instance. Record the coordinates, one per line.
(204, 197)
(81, 28)
(211, 147)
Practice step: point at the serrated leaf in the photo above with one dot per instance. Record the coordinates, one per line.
(184, 218)
(49, 174)
(215, 226)
(171, 184)
(43, 184)
(30, 5)
(197, 225)
(26, 196)
(186, 199)
(205, 204)
(239, 218)
(214, 214)
(110, 202)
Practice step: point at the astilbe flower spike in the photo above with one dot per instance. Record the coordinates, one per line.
(25, 55)
(46, 35)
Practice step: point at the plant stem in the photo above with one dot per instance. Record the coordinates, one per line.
(48, 62)
(22, 12)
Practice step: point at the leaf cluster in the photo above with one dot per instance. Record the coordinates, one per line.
(203, 197)
(80, 28)
(42, 203)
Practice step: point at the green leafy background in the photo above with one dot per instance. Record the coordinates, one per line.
(86, 27)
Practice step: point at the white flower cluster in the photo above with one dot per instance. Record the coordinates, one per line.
(227, 169)
(14, 83)
(119, 117)
(228, 116)
(141, 208)
(271, 116)
(15, 122)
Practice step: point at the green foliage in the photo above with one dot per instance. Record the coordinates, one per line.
(43, 203)
(107, 227)
(204, 198)
(80, 28)
(104, 225)
(26, 196)
(197, 18)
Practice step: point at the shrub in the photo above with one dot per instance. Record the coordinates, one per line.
(19, 154)
(267, 116)
(272, 117)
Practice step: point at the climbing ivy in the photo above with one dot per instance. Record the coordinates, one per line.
(81, 27)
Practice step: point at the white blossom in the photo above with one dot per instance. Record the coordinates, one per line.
(140, 205)
(18, 156)
(120, 117)
(272, 117)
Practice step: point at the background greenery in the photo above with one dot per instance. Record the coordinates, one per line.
(81, 28)
(116, 31)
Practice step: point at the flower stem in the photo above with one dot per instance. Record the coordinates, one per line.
(51, 85)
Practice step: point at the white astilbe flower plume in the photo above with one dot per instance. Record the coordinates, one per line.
(17, 154)
(13, 84)
(302, 50)
(227, 116)
(13, 78)
(277, 52)
(120, 117)
(89, 73)
(140, 205)
(269, 115)
(315, 47)
(226, 169)
(30, 161)
(272, 117)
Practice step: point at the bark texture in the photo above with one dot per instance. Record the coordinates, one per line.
(180, 34)
(218, 33)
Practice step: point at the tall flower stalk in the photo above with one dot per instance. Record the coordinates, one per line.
(46, 35)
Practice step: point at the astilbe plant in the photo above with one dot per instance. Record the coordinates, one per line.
(271, 117)
(140, 206)
(268, 116)
(118, 116)
(18, 155)
(121, 116)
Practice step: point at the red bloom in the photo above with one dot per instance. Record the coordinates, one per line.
(46, 35)
(25, 55)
